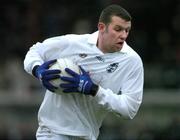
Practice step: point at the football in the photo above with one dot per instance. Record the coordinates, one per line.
(61, 64)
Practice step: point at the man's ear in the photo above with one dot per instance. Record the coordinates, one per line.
(101, 27)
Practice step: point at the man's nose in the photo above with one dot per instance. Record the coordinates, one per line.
(123, 34)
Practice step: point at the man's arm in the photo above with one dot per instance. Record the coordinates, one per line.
(39, 58)
(45, 51)
(128, 102)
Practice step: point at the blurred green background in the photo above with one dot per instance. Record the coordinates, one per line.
(155, 36)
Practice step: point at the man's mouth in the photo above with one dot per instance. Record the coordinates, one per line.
(120, 43)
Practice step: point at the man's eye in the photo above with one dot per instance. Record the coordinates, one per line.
(118, 30)
(121, 29)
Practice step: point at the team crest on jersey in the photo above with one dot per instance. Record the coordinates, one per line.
(119, 93)
(112, 67)
(83, 55)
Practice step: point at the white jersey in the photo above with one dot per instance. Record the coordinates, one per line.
(119, 76)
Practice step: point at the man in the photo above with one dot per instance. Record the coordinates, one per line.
(111, 79)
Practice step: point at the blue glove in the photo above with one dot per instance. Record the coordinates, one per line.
(78, 83)
(45, 75)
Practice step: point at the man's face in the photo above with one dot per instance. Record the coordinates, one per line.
(113, 35)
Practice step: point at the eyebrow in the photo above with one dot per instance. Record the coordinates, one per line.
(119, 26)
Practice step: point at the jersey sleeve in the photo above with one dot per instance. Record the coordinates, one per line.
(128, 102)
(41, 52)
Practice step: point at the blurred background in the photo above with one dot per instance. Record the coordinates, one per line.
(155, 36)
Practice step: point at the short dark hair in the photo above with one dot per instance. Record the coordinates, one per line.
(114, 10)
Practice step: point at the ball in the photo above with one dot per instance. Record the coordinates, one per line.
(61, 64)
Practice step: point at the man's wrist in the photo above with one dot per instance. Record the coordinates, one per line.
(34, 71)
(94, 89)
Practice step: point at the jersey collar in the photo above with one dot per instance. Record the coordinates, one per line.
(124, 48)
(93, 38)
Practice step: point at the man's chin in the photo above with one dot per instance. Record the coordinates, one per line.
(119, 47)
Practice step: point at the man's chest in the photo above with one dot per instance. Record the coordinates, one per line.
(106, 71)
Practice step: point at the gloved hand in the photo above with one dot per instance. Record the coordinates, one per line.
(45, 75)
(78, 83)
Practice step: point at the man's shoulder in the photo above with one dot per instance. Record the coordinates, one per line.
(129, 50)
(77, 37)
(132, 54)
(68, 37)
